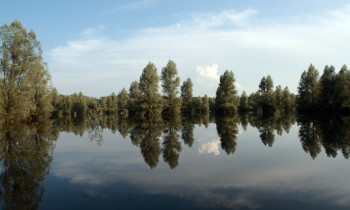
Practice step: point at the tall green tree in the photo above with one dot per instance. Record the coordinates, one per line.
(151, 103)
(79, 106)
(187, 96)
(226, 100)
(279, 97)
(267, 97)
(170, 84)
(205, 105)
(308, 90)
(134, 97)
(123, 99)
(243, 102)
(287, 100)
(24, 77)
(326, 85)
(342, 89)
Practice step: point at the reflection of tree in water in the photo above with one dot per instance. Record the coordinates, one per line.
(26, 154)
(123, 128)
(171, 144)
(95, 135)
(309, 138)
(332, 132)
(244, 120)
(267, 124)
(146, 134)
(228, 131)
(187, 132)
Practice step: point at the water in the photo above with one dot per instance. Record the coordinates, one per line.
(268, 163)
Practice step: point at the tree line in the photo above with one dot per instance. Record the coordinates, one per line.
(26, 93)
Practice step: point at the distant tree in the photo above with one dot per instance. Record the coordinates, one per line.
(279, 97)
(342, 89)
(197, 105)
(308, 90)
(287, 100)
(113, 105)
(267, 96)
(151, 101)
(123, 99)
(187, 97)
(55, 101)
(326, 85)
(205, 105)
(134, 97)
(79, 106)
(226, 100)
(266, 84)
(24, 77)
(68, 104)
(243, 102)
(170, 84)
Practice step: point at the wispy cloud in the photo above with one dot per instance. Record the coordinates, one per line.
(229, 39)
(208, 20)
(138, 5)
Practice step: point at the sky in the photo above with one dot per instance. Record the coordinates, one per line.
(99, 47)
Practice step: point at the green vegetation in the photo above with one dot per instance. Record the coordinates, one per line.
(24, 78)
(226, 100)
(26, 94)
(170, 84)
(329, 93)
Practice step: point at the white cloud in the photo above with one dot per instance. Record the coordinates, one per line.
(210, 72)
(210, 147)
(97, 66)
(224, 17)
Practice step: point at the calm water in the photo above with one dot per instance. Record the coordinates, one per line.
(268, 163)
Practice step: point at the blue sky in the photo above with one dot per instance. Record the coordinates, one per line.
(99, 47)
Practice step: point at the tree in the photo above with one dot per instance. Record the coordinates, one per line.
(187, 97)
(342, 89)
(197, 105)
(151, 100)
(170, 84)
(243, 102)
(287, 100)
(134, 97)
(79, 106)
(308, 90)
(24, 77)
(279, 97)
(205, 105)
(326, 85)
(123, 99)
(226, 95)
(267, 97)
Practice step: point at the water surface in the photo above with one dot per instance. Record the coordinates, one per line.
(245, 162)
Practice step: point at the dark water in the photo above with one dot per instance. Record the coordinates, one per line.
(247, 162)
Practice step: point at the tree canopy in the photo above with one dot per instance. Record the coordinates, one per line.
(24, 76)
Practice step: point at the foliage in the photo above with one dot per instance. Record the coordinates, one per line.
(170, 84)
(226, 95)
(308, 90)
(24, 77)
(151, 102)
(123, 101)
(187, 97)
